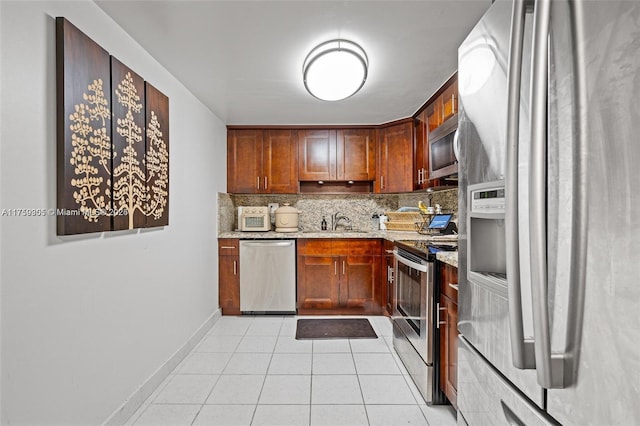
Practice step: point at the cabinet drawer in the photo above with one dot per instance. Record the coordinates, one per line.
(449, 281)
(228, 247)
(320, 246)
(364, 247)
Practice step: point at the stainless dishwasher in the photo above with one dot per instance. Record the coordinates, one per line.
(268, 276)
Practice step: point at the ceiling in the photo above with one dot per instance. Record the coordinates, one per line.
(243, 59)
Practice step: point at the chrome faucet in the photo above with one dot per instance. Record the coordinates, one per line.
(336, 218)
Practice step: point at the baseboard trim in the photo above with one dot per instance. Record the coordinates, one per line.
(140, 395)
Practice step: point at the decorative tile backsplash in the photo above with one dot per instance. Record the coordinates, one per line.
(357, 207)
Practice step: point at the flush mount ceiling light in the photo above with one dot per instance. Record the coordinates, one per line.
(335, 70)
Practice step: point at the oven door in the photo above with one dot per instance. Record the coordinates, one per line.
(413, 302)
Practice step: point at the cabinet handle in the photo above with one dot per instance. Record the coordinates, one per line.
(335, 267)
(235, 267)
(381, 182)
(343, 267)
(438, 318)
(265, 182)
(228, 247)
(453, 286)
(438, 309)
(258, 182)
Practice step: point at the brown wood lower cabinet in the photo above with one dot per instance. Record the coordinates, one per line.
(388, 275)
(339, 276)
(229, 275)
(448, 277)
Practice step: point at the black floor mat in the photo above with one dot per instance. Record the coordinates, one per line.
(342, 328)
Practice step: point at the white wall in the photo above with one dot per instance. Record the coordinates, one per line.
(85, 320)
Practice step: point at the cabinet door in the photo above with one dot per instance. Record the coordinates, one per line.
(356, 155)
(450, 101)
(421, 150)
(388, 275)
(229, 285)
(244, 161)
(317, 155)
(452, 353)
(448, 331)
(318, 282)
(359, 284)
(434, 114)
(395, 153)
(280, 162)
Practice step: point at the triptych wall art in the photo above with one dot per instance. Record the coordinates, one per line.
(113, 141)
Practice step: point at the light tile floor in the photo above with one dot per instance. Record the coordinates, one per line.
(252, 371)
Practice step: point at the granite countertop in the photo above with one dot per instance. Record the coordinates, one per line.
(387, 235)
(450, 257)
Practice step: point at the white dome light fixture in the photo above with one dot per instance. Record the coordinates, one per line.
(335, 70)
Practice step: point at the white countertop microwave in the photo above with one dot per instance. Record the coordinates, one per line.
(254, 218)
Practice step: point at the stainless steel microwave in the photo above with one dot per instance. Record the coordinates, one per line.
(443, 143)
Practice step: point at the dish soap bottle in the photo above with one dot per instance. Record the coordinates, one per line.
(323, 225)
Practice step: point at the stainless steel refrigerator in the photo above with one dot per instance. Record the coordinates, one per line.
(549, 205)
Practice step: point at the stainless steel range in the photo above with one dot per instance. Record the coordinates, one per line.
(415, 338)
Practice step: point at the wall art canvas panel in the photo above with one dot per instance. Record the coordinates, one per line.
(83, 133)
(157, 157)
(128, 129)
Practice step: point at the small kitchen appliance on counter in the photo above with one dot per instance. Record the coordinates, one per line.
(253, 218)
(287, 218)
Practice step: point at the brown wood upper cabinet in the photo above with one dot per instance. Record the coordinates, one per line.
(262, 161)
(395, 158)
(421, 149)
(438, 110)
(336, 155)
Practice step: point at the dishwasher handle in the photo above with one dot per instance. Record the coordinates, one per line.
(268, 243)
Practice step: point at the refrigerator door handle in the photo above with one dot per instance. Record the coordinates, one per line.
(522, 350)
(550, 367)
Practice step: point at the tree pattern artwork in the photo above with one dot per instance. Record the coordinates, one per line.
(128, 177)
(157, 162)
(91, 150)
(112, 141)
(133, 189)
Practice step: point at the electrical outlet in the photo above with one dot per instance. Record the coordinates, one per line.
(273, 207)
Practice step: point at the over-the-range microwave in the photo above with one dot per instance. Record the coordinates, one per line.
(254, 218)
(443, 143)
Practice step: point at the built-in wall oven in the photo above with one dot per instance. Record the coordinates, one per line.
(415, 338)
